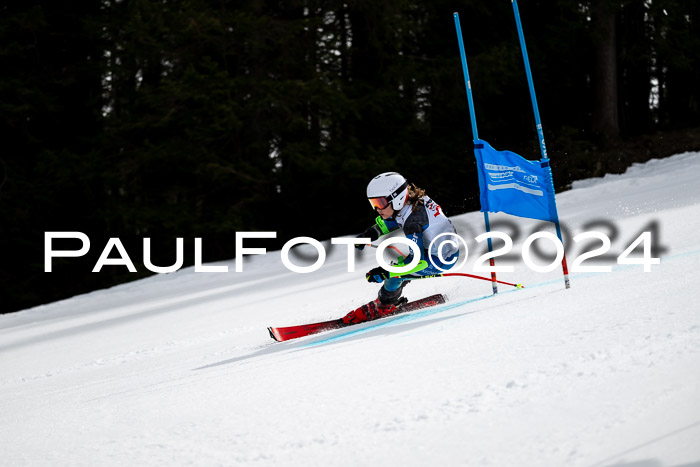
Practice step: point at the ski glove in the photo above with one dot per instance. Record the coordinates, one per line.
(378, 275)
(370, 233)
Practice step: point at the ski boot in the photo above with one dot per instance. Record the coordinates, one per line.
(387, 303)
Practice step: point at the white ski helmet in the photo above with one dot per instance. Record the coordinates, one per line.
(389, 187)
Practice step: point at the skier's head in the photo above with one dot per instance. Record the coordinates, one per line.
(387, 189)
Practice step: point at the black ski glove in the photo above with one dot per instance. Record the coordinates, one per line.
(370, 233)
(378, 275)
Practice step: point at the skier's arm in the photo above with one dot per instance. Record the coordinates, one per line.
(385, 226)
(380, 227)
(414, 227)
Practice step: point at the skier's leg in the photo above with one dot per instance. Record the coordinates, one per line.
(389, 297)
(391, 290)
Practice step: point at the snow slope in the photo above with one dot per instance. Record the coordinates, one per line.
(179, 369)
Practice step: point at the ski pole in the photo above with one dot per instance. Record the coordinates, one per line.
(390, 246)
(450, 274)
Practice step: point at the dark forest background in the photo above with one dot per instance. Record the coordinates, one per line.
(200, 118)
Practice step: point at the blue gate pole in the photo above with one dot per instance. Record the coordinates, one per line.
(475, 134)
(540, 134)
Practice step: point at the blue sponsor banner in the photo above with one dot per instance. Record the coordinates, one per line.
(512, 184)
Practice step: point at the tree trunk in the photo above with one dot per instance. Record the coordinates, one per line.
(605, 100)
(635, 70)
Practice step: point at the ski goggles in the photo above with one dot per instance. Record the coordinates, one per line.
(381, 202)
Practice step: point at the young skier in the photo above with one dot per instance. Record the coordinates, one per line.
(407, 207)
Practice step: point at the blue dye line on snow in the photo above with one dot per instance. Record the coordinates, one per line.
(395, 320)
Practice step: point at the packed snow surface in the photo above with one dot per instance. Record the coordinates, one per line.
(179, 369)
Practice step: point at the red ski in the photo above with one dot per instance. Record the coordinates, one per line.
(293, 332)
